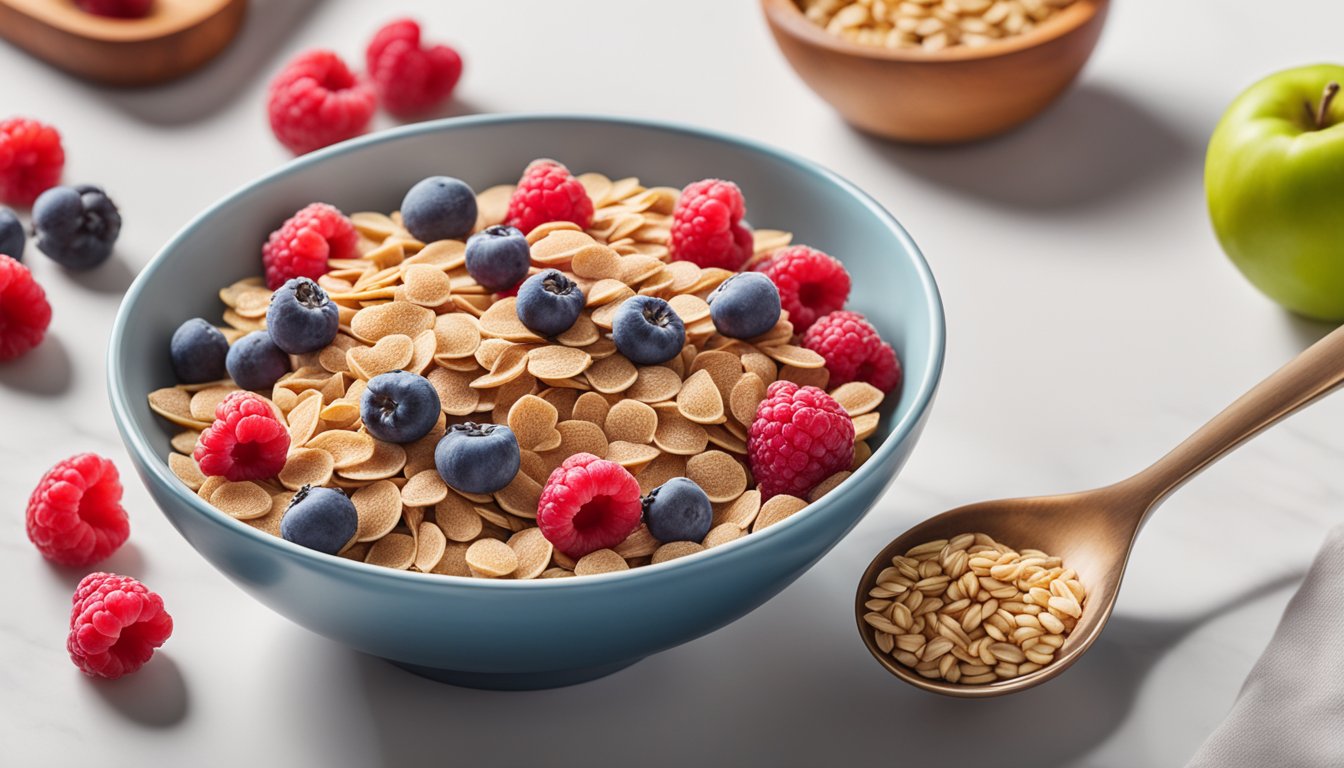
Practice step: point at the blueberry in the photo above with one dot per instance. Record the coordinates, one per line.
(76, 226)
(254, 362)
(744, 306)
(498, 257)
(678, 510)
(198, 350)
(648, 331)
(12, 237)
(477, 458)
(549, 303)
(399, 407)
(301, 318)
(439, 208)
(323, 519)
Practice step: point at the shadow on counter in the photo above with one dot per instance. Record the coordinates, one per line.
(799, 701)
(1096, 143)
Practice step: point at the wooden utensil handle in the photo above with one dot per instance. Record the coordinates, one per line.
(1306, 378)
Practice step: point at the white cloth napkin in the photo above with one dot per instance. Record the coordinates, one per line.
(1290, 712)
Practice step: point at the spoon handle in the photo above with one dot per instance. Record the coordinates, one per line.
(1306, 378)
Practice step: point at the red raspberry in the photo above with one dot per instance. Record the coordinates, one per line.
(800, 436)
(75, 517)
(115, 625)
(588, 504)
(31, 160)
(24, 311)
(548, 192)
(316, 101)
(304, 243)
(854, 351)
(707, 226)
(121, 9)
(410, 79)
(810, 283)
(245, 442)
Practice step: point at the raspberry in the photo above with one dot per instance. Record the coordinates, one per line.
(800, 436)
(316, 101)
(548, 192)
(115, 625)
(854, 351)
(810, 283)
(707, 226)
(410, 79)
(24, 311)
(121, 9)
(31, 160)
(75, 517)
(304, 243)
(245, 442)
(588, 504)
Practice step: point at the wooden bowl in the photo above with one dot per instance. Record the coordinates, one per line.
(177, 37)
(953, 95)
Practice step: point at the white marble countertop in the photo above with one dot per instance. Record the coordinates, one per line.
(1093, 323)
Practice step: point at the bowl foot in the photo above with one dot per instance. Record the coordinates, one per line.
(515, 681)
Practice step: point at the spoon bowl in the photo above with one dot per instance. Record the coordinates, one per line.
(1094, 531)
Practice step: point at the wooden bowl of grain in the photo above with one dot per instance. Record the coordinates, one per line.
(932, 93)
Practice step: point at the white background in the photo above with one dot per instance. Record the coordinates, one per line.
(1093, 323)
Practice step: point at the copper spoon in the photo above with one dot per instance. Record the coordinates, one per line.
(1094, 531)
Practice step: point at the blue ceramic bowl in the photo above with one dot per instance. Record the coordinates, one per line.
(544, 633)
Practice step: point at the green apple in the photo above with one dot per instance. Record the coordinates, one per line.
(1274, 176)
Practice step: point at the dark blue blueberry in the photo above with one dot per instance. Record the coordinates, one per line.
(399, 407)
(477, 458)
(678, 510)
(439, 208)
(12, 237)
(498, 257)
(76, 226)
(549, 303)
(301, 318)
(254, 362)
(323, 519)
(648, 331)
(198, 350)
(744, 306)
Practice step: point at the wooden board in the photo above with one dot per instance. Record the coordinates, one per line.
(177, 37)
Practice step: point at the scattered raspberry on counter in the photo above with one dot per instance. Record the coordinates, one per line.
(304, 243)
(115, 625)
(589, 504)
(119, 9)
(811, 283)
(75, 517)
(853, 351)
(245, 442)
(800, 436)
(316, 100)
(24, 311)
(410, 78)
(548, 192)
(31, 160)
(707, 226)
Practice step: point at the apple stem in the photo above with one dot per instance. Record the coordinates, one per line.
(1320, 114)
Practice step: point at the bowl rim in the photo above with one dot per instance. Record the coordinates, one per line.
(158, 470)
(785, 15)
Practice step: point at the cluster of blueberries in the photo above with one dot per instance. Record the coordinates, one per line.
(402, 407)
(75, 226)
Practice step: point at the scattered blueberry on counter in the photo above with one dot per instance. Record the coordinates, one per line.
(76, 226)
